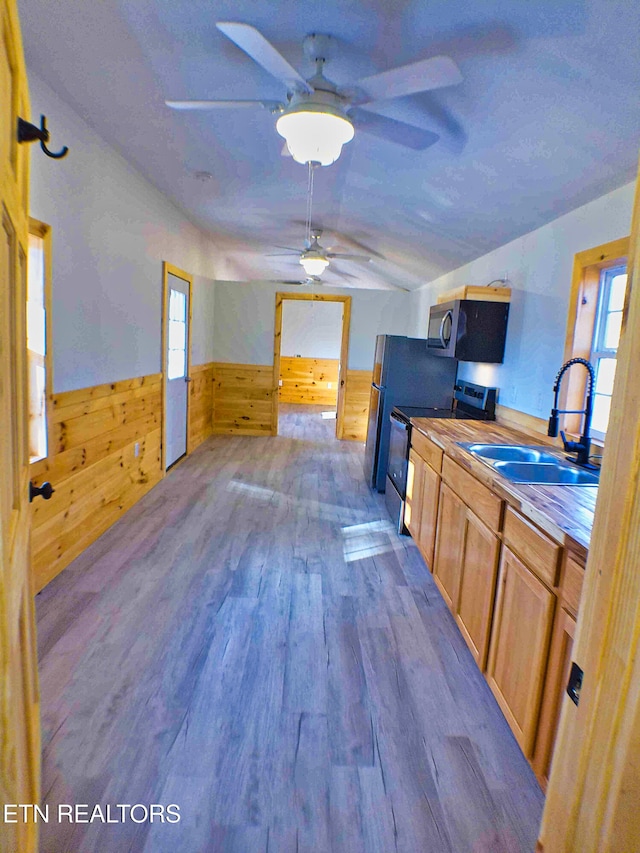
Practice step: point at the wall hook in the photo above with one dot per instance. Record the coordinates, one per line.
(28, 132)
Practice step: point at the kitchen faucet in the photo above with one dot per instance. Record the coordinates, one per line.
(580, 448)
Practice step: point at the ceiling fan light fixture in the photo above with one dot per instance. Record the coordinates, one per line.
(315, 133)
(314, 265)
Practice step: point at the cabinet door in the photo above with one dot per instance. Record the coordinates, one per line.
(413, 501)
(479, 570)
(429, 515)
(519, 647)
(554, 692)
(449, 545)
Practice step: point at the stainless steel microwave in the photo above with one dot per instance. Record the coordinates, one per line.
(469, 330)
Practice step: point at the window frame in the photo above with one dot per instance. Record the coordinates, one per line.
(43, 231)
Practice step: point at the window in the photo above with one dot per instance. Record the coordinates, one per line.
(38, 360)
(613, 284)
(593, 330)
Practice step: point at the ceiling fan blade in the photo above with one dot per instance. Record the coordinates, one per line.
(343, 257)
(222, 105)
(422, 76)
(294, 253)
(393, 130)
(256, 46)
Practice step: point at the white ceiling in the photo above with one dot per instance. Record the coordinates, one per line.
(546, 119)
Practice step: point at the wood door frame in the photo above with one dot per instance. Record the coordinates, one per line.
(20, 744)
(592, 797)
(167, 269)
(344, 352)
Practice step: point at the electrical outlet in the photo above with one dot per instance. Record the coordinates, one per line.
(540, 401)
(329, 385)
(136, 449)
(280, 382)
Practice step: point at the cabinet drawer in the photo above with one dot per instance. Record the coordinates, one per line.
(428, 449)
(571, 584)
(540, 553)
(486, 505)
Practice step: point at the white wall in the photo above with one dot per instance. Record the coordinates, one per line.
(111, 230)
(311, 329)
(202, 320)
(538, 267)
(245, 318)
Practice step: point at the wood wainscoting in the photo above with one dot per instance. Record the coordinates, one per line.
(356, 405)
(200, 405)
(243, 399)
(311, 381)
(93, 467)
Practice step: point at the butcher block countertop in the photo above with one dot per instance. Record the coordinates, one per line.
(565, 513)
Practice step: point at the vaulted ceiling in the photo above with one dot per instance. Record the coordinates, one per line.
(546, 119)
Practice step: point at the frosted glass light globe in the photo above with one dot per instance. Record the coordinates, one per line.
(314, 136)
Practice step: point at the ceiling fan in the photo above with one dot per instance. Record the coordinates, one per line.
(314, 258)
(319, 117)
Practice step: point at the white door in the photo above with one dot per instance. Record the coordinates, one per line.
(19, 713)
(177, 312)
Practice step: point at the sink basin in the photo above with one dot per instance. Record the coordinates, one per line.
(522, 463)
(510, 452)
(547, 474)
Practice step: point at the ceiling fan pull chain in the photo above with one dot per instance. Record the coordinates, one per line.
(309, 201)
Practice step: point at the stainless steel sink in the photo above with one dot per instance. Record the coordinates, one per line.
(523, 463)
(510, 452)
(546, 473)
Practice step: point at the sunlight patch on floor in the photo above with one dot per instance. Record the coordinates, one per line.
(315, 509)
(367, 540)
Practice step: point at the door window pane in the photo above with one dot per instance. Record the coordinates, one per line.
(36, 348)
(177, 360)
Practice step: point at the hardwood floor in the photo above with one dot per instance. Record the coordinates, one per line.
(254, 643)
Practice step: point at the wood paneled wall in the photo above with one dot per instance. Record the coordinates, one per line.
(309, 380)
(93, 467)
(356, 405)
(200, 404)
(243, 399)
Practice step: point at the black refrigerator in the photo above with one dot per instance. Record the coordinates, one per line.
(405, 373)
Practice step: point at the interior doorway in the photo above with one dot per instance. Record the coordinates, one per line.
(176, 362)
(311, 349)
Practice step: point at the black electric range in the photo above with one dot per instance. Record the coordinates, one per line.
(471, 402)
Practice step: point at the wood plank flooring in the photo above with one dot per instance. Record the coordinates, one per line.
(254, 643)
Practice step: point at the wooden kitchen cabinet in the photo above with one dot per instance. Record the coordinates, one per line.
(447, 564)
(519, 647)
(423, 494)
(554, 693)
(429, 514)
(467, 552)
(473, 610)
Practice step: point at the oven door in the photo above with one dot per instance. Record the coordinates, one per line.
(441, 334)
(398, 454)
